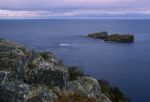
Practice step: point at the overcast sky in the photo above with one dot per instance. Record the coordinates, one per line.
(74, 9)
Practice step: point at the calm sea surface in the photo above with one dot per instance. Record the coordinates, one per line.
(124, 65)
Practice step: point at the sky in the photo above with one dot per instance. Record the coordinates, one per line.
(75, 9)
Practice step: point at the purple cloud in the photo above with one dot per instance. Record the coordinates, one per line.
(72, 8)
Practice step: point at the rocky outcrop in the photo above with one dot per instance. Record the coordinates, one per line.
(32, 76)
(98, 35)
(121, 38)
(87, 86)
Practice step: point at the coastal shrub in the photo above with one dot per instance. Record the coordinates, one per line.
(75, 72)
(117, 95)
(74, 97)
(105, 86)
(32, 65)
(6, 62)
(114, 93)
(44, 55)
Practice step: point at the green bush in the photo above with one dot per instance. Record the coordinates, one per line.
(114, 93)
(75, 72)
(32, 65)
(44, 55)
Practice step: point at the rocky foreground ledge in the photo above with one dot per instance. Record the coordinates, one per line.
(32, 76)
(120, 38)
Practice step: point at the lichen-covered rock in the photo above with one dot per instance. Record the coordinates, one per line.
(87, 86)
(5, 77)
(20, 66)
(20, 92)
(12, 60)
(32, 76)
(48, 71)
(11, 92)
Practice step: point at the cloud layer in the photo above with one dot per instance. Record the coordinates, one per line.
(74, 9)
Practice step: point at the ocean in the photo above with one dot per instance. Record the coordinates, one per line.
(126, 65)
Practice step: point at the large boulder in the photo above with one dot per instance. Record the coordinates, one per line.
(87, 86)
(45, 70)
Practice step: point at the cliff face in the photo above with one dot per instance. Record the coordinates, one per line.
(32, 76)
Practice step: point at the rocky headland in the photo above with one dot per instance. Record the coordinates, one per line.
(120, 38)
(33, 76)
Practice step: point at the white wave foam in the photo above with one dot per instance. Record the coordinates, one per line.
(63, 44)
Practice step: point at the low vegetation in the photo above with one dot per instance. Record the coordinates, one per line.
(74, 97)
(113, 93)
(75, 72)
(32, 65)
(44, 55)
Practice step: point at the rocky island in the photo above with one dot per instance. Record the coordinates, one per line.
(33, 76)
(120, 38)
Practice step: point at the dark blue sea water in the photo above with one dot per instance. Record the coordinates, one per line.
(124, 65)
